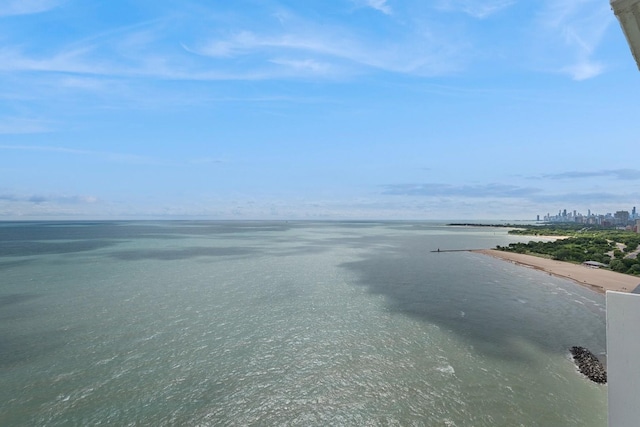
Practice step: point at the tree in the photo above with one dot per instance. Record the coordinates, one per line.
(617, 265)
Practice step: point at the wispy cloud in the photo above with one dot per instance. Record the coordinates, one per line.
(295, 46)
(474, 191)
(500, 200)
(51, 205)
(289, 58)
(66, 61)
(290, 45)
(620, 174)
(379, 5)
(109, 156)
(594, 198)
(571, 31)
(245, 42)
(206, 161)
(331, 51)
(9, 197)
(497, 198)
(39, 198)
(19, 125)
(479, 9)
(583, 69)
(26, 7)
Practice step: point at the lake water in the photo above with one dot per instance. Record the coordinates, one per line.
(286, 323)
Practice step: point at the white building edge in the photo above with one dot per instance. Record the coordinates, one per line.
(628, 13)
(623, 366)
(623, 310)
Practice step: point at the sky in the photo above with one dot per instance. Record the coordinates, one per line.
(315, 109)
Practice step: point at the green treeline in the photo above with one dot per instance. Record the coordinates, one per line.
(560, 229)
(583, 244)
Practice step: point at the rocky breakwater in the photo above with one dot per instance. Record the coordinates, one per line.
(589, 365)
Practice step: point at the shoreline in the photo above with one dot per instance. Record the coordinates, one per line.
(595, 279)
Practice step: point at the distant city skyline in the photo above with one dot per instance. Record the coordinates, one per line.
(617, 217)
(339, 109)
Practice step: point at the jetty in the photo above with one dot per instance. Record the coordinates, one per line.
(589, 365)
(454, 250)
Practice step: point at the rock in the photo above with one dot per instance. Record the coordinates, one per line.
(589, 365)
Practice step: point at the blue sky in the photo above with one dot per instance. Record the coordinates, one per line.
(319, 109)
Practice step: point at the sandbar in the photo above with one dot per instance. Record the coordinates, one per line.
(596, 279)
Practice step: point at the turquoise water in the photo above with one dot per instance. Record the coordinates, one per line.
(286, 323)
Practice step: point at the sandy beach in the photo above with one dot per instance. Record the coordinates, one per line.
(596, 279)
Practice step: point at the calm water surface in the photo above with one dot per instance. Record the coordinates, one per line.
(299, 323)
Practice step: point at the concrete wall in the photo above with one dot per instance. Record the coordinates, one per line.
(623, 358)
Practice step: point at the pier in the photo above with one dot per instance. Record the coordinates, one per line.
(454, 250)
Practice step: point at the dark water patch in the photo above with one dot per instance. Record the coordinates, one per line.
(6, 300)
(210, 228)
(180, 254)
(353, 241)
(459, 293)
(417, 226)
(18, 349)
(7, 265)
(17, 307)
(301, 251)
(347, 224)
(31, 248)
(64, 230)
(21, 346)
(308, 246)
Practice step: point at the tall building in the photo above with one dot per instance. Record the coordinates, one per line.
(621, 217)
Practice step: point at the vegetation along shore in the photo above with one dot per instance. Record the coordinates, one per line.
(615, 249)
(600, 258)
